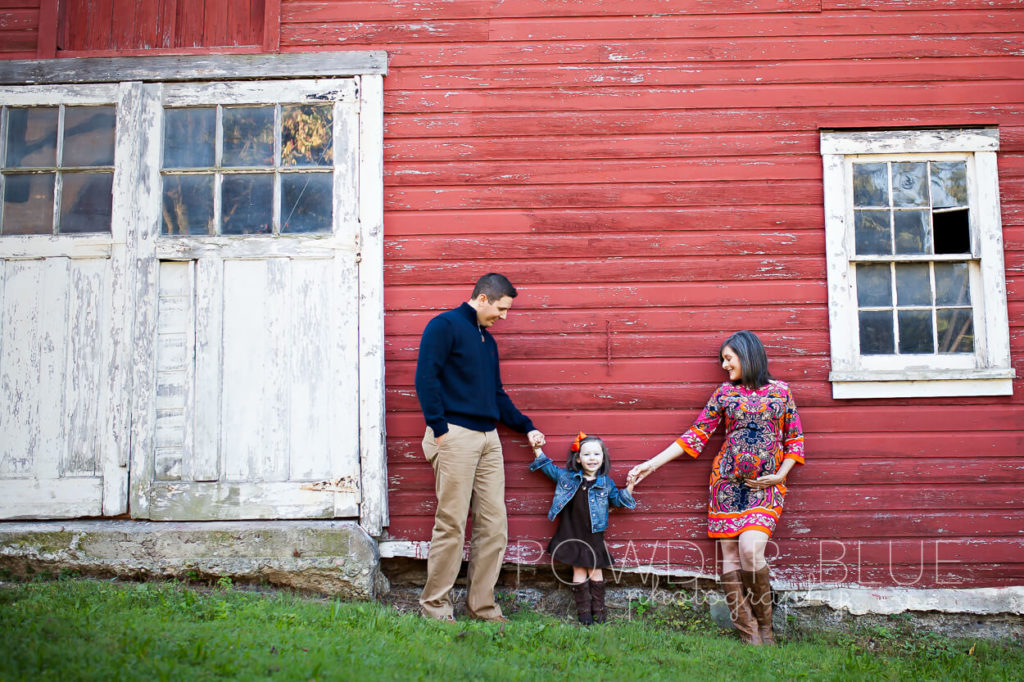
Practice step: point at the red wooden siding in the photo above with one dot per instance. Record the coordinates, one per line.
(90, 27)
(649, 176)
(648, 173)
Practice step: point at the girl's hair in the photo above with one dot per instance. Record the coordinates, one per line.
(573, 465)
(753, 359)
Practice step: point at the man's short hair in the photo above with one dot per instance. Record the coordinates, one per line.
(494, 286)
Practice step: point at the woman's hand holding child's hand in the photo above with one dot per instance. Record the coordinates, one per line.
(637, 474)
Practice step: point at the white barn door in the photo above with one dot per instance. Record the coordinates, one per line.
(247, 334)
(66, 236)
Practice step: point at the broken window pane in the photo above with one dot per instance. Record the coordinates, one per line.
(85, 202)
(247, 204)
(916, 331)
(913, 284)
(955, 329)
(912, 232)
(28, 203)
(909, 184)
(306, 135)
(952, 231)
(952, 286)
(248, 136)
(189, 136)
(188, 204)
(870, 184)
(32, 137)
(949, 184)
(88, 136)
(873, 233)
(874, 286)
(306, 204)
(876, 333)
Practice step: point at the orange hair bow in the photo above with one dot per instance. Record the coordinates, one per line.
(575, 447)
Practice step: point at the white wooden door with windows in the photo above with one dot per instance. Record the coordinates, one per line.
(66, 247)
(246, 335)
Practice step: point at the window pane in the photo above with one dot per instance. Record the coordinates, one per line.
(912, 232)
(870, 184)
(28, 204)
(189, 136)
(956, 330)
(32, 137)
(89, 136)
(909, 184)
(248, 136)
(306, 135)
(85, 202)
(913, 284)
(916, 331)
(876, 335)
(874, 286)
(949, 184)
(951, 284)
(872, 232)
(247, 204)
(306, 204)
(188, 204)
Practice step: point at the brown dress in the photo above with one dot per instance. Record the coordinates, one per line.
(575, 543)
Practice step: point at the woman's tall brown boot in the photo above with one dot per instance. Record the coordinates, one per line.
(581, 592)
(739, 607)
(597, 607)
(760, 589)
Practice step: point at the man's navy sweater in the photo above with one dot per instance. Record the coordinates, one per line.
(458, 379)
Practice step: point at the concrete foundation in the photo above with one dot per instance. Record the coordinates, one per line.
(328, 557)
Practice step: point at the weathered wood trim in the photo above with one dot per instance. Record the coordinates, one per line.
(373, 454)
(50, 95)
(126, 215)
(33, 247)
(271, 25)
(193, 68)
(261, 92)
(195, 501)
(875, 388)
(909, 141)
(65, 498)
(251, 247)
(46, 45)
(147, 196)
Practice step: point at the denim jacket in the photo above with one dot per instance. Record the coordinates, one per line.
(599, 495)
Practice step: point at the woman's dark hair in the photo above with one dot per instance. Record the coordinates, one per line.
(494, 286)
(573, 465)
(753, 359)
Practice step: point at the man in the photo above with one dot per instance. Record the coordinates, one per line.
(458, 383)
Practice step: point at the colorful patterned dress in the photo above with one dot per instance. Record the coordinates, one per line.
(762, 429)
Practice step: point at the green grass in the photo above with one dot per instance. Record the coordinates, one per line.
(76, 629)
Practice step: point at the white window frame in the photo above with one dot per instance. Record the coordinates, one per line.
(988, 370)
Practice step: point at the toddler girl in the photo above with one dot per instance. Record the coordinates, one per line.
(582, 495)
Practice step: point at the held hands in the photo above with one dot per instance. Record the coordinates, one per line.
(536, 439)
(639, 473)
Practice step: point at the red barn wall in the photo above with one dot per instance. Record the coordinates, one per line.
(648, 173)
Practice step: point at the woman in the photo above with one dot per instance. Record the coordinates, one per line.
(763, 441)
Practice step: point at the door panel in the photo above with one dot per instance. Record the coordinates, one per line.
(255, 336)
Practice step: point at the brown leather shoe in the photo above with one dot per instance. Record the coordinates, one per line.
(739, 607)
(760, 589)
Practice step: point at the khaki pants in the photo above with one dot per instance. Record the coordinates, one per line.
(469, 475)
